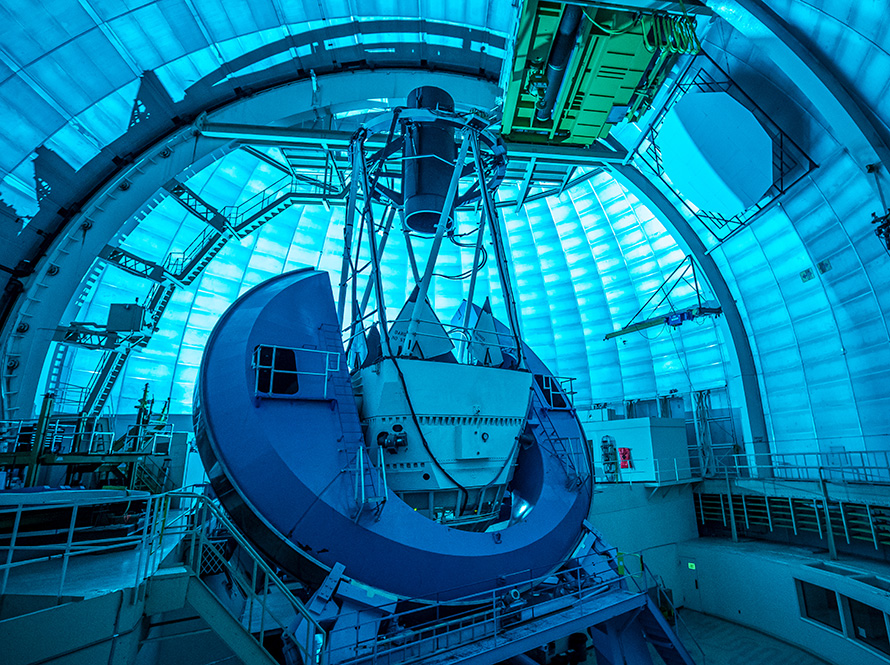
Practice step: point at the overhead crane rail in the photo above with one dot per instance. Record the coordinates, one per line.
(674, 317)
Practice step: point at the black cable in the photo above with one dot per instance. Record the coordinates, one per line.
(423, 440)
(462, 235)
(467, 273)
(503, 466)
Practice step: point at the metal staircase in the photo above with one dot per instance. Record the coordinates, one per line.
(114, 360)
(229, 628)
(171, 560)
(180, 269)
(268, 602)
(616, 611)
(662, 638)
(183, 548)
(339, 386)
(196, 205)
(157, 303)
(149, 476)
(498, 632)
(183, 267)
(569, 452)
(103, 381)
(369, 480)
(309, 179)
(263, 206)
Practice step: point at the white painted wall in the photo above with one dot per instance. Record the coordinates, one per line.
(636, 518)
(658, 448)
(752, 583)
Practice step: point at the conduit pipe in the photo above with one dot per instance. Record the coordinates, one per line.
(560, 52)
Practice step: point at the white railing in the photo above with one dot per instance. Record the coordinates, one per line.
(181, 521)
(80, 437)
(15, 434)
(567, 383)
(83, 437)
(489, 614)
(369, 491)
(69, 399)
(498, 616)
(150, 439)
(844, 466)
(260, 365)
(674, 469)
(259, 201)
(868, 467)
(648, 470)
(20, 556)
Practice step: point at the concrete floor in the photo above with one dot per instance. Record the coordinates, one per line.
(725, 643)
(90, 574)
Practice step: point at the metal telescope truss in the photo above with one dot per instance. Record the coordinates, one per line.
(423, 475)
(469, 178)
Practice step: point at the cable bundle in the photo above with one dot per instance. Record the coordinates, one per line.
(674, 34)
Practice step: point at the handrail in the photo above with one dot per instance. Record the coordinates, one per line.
(495, 607)
(260, 562)
(61, 436)
(259, 200)
(150, 466)
(155, 535)
(238, 215)
(664, 469)
(844, 466)
(574, 460)
(379, 487)
(658, 583)
(23, 506)
(567, 384)
(176, 262)
(257, 364)
(68, 398)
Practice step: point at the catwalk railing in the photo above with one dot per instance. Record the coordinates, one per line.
(179, 527)
(187, 528)
(865, 467)
(492, 615)
(649, 470)
(83, 436)
(858, 466)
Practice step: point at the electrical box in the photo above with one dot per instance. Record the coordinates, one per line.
(646, 450)
(125, 318)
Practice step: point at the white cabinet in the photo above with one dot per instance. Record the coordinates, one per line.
(651, 450)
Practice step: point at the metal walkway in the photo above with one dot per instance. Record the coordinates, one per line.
(157, 566)
(177, 555)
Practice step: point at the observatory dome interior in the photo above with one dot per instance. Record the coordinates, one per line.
(695, 232)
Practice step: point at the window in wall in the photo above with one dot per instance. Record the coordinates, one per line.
(820, 605)
(276, 370)
(869, 625)
(551, 391)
